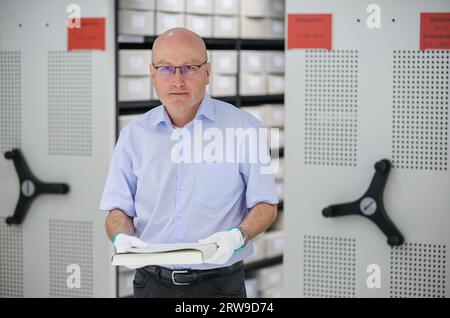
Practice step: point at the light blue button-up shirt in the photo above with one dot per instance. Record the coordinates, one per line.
(182, 202)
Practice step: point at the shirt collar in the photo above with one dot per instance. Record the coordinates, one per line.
(159, 115)
(206, 109)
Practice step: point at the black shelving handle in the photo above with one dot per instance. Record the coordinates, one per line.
(371, 205)
(29, 187)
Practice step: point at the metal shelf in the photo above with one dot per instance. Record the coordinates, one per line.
(280, 205)
(137, 107)
(267, 262)
(280, 153)
(146, 42)
(266, 44)
(262, 99)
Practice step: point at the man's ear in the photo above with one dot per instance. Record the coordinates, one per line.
(152, 71)
(208, 72)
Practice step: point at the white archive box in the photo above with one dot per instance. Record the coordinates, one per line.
(125, 120)
(134, 62)
(259, 248)
(276, 8)
(171, 5)
(133, 22)
(275, 115)
(225, 26)
(166, 21)
(278, 225)
(251, 287)
(254, 28)
(227, 7)
(275, 84)
(275, 62)
(278, 168)
(252, 61)
(276, 292)
(281, 133)
(200, 6)
(200, 24)
(223, 85)
(276, 28)
(126, 283)
(223, 62)
(280, 190)
(148, 5)
(270, 277)
(274, 243)
(258, 112)
(255, 8)
(134, 88)
(154, 94)
(252, 84)
(277, 143)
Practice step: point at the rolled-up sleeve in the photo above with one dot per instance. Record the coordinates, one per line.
(120, 186)
(260, 185)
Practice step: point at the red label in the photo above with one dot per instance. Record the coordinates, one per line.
(309, 31)
(435, 31)
(89, 36)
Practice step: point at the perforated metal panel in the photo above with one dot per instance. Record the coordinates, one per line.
(331, 91)
(391, 99)
(10, 100)
(329, 266)
(11, 260)
(418, 270)
(69, 103)
(71, 243)
(58, 107)
(420, 109)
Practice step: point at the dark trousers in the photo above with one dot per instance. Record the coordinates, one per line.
(159, 282)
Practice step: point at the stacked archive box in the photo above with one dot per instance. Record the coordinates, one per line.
(262, 73)
(208, 18)
(267, 282)
(249, 19)
(224, 70)
(134, 82)
(262, 19)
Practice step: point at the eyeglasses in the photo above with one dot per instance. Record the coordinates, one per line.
(188, 71)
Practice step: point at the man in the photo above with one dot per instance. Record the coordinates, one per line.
(153, 198)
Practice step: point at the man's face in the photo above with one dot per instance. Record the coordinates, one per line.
(181, 95)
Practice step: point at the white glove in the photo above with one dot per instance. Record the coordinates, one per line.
(124, 243)
(227, 242)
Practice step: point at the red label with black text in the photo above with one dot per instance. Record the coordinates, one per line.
(309, 31)
(435, 31)
(89, 36)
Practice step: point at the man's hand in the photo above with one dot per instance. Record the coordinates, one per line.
(227, 242)
(124, 243)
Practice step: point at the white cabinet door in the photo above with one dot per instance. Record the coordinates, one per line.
(58, 108)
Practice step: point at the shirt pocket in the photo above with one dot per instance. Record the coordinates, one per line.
(216, 184)
(148, 192)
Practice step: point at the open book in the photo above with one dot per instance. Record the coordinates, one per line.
(165, 254)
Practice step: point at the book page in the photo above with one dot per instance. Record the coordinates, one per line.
(167, 247)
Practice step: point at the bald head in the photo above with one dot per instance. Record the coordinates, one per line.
(178, 39)
(180, 93)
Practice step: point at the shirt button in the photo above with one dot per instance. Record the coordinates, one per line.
(181, 188)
